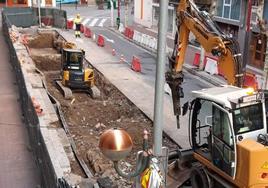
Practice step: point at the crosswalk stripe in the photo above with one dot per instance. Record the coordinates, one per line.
(93, 22)
(85, 21)
(102, 22)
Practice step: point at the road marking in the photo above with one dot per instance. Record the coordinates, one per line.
(93, 22)
(102, 22)
(85, 21)
(108, 40)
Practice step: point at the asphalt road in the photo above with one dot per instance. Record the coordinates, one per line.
(92, 12)
(148, 61)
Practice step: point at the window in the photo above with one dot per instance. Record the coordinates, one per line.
(229, 9)
(247, 119)
(221, 126)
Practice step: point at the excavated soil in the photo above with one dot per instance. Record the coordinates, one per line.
(88, 118)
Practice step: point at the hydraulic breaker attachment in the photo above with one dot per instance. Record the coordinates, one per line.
(174, 80)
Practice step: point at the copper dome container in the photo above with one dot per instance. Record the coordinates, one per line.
(115, 144)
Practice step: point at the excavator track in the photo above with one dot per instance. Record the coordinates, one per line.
(67, 92)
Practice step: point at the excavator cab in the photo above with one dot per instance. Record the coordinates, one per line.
(228, 134)
(75, 75)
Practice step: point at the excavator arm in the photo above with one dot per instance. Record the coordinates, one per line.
(190, 19)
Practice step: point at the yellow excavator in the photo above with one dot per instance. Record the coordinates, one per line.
(75, 73)
(227, 125)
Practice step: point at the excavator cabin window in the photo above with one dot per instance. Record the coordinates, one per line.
(73, 60)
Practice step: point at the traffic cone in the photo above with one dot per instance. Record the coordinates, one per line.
(122, 59)
(113, 52)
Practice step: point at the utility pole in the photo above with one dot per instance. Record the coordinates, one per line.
(118, 16)
(160, 78)
(126, 12)
(112, 13)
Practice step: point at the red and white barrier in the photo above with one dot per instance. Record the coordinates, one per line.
(211, 66)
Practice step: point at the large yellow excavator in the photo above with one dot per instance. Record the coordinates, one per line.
(227, 125)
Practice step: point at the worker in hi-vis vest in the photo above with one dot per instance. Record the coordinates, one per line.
(77, 22)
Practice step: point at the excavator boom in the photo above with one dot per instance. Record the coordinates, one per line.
(190, 19)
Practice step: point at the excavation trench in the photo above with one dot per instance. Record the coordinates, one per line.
(88, 118)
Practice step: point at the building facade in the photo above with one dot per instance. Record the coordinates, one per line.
(241, 20)
(147, 12)
(27, 3)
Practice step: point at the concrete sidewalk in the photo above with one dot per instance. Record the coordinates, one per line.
(17, 163)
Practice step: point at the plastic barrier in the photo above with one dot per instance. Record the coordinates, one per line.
(211, 66)
(70, 24)
(87, 32)
(138, 37)
(135, 35)
(261, 81)
(100, 41)
(250, 80)
(147, 40)
(196, 61)
(155, 44)
(131, 33)
(126, 33)
(136, 64)
(121, 28)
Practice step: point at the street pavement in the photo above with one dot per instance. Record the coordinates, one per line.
(17, 163)
(92, 17)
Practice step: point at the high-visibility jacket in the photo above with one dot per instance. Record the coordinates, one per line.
(77, 21)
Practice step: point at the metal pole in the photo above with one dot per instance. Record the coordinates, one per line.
(202, 57)
(112, 13)
(126, 13)
(119, 9)
(39, 13)
(160, 78)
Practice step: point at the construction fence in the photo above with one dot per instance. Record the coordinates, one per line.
(28, 18)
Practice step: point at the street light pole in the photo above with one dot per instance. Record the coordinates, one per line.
(118, 16)
(126, 12)
(160, 78)
(112, 13)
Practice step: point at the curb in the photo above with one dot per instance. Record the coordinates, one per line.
(188, 68)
